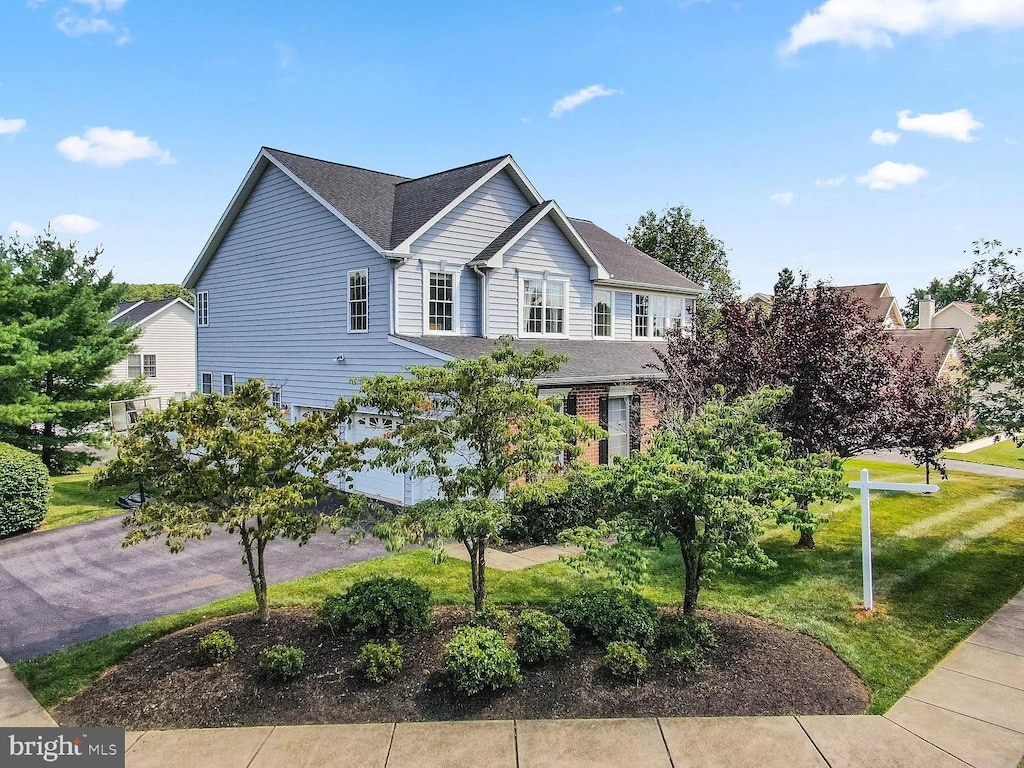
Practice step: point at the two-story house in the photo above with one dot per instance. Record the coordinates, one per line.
(320, 273)
(164, 355)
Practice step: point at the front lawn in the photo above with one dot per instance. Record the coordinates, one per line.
(943, 564)
(74, 500)
(1005, 453)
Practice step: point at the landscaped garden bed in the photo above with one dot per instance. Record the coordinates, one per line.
(755, 668)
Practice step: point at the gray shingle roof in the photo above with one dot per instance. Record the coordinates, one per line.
(934, 343)
(626, 263)
(588, 360)
(511, 231)
(140, 312)
(364, 197)
(418, 200)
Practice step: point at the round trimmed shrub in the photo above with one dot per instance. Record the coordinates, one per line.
(609, 614)
(540, 637)
(24, 490)
(379, 662)
(493, 618)
(281, 662)
(378, 607)
(217, 646)
(478, 658)
(626, 660)
(685, 639)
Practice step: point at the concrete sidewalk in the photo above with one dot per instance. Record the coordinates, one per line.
(969, 711)
(967, 467)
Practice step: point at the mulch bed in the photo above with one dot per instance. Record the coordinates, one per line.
(756, 669)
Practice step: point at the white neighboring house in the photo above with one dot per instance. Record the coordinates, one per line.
(165, 351)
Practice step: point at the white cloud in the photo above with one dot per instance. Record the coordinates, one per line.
(98, 6)
(74, 224)
(285, 55)
(1011, 141)
(872, 23)
(77, 26)
(12, 125)
(618, 8)
(956, 125)
(21, 229)
(108, 147)
(782, 198)
(684, 4)
(889, 175)
(570, 101)
(834, 181)
(885, 138)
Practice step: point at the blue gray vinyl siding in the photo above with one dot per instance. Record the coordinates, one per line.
(278, 288)
(543, 248)
(456, 239)
(623, 315)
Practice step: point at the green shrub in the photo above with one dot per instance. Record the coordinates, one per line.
(281, 662)
(494, 618)
(540, 637)
(217, 646)
(378, 607)
(626, 660)
(24, 490)
(685, 639)
(380, 663)
(609, 614)
(540, 511)
(478, 658)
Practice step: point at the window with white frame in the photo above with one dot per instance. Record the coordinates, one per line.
(641, 315)
(141, 365)
(206, 383)
(654, 315)
(203, 308)
(602, 313)
(441, 301)
(228, 384)
(358, 301)
(275, 397)
(618, 427)
(544, 302)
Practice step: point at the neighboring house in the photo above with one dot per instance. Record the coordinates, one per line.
(882, 305)
(319, 273)
(165, 350)
(962, 315)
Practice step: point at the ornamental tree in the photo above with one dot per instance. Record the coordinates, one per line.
(475, 427)
(57, 348)
(710, 483)
(234, 462)
(995, 355)
(816, 340)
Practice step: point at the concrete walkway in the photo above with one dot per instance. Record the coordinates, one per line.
(969, 711)
(513, 561)
(968, 467)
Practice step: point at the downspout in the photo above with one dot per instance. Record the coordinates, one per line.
(483, 298)
(395, 261)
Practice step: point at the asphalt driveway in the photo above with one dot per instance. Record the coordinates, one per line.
(61, 587)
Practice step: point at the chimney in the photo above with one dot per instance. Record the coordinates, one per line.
(925, 312)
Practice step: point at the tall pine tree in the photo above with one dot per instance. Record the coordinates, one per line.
(57, 348)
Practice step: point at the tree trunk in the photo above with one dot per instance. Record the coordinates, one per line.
(47, 454)
(477, 563)
(691, 568)
(256, 573)
(806, 539)
(927, 472)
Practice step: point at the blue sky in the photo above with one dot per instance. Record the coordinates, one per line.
(131, 122)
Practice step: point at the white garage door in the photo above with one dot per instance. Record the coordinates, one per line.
(378, 483)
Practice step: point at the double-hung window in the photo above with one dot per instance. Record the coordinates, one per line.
(543, 306)
(641, 315)
(358, 301)
(202, 308)
(602, 314)
(441, 302)
(206, 383)
(141, 365)
(228, 384)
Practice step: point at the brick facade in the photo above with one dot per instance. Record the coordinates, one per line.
(588, 399)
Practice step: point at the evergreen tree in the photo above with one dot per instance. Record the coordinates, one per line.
(57, 348)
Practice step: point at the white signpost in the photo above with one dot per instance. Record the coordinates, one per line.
(866, 487)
